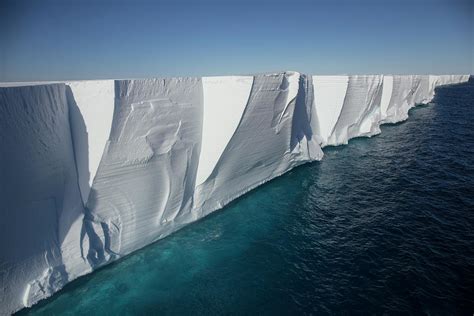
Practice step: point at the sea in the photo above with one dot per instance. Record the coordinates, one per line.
(381, 226)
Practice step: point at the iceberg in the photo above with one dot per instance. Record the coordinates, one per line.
(94, 170)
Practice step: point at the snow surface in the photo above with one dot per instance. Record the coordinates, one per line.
(157, 154)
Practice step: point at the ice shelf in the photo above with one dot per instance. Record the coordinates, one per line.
(94, 170)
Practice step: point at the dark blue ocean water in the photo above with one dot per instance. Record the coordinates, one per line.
(383, 225)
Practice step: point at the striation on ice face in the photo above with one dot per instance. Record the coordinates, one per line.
(41, 216)
(450, 79)
(147, 175)
(329, 95)
(360, 112)
(264, 144)
(387, 89)
(422, 92)
(226, 98)
(403, 98)
(146, 184)
(157, 154)
(91, 106)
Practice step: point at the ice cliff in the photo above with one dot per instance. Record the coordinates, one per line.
(94, 170)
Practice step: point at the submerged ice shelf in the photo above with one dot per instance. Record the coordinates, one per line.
(94, 170)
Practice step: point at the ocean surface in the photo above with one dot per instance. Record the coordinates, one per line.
(384, 225)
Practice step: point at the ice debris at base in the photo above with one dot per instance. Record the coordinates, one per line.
(94, 170)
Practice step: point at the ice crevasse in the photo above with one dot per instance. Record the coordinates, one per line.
(94, 170)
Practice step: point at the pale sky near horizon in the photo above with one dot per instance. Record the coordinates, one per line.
(70, 39)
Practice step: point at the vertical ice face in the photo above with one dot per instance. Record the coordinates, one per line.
(401, 101)
(432, 81)
(225, 102)
(304, 138)
(91, 106)
(265, 143)
(353, 106)
(387, 88)
(147, 175)
(408, 90)
(450, 79)
(421, 88)
(179, 149)
(175, 150)
(42, 211)
(360, 113)
(329, 95)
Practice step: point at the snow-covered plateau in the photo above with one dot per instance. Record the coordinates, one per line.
(94, 170)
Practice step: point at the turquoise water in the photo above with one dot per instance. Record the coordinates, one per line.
(383, 225)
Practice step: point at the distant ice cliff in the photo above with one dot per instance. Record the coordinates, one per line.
(94, 170)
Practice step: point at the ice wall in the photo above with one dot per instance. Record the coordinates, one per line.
(360, 112)
(181, 148)
(93, 170)
(147, 174)
(355, 106)
(329, 95)
(222, 115)
(42, 212)
(274, 135)
(90, 102)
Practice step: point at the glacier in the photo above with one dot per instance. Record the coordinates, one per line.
(94, 170)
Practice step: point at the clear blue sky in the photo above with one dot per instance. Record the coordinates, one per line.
(68, 39)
